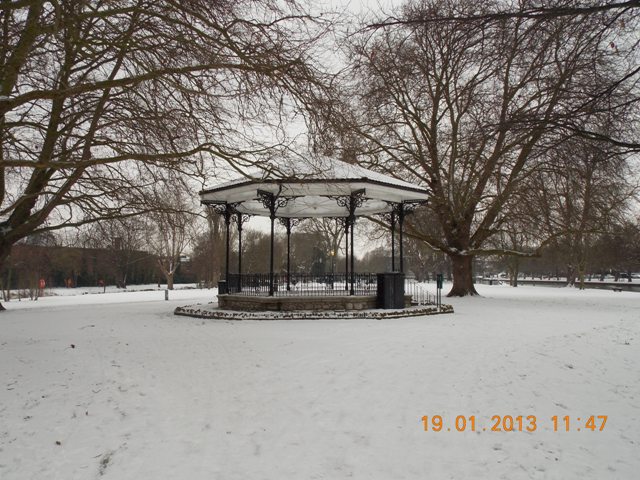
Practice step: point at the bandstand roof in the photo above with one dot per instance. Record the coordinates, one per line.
(311, 187)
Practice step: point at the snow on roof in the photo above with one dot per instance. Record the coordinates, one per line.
(314, 168)
(311, 187)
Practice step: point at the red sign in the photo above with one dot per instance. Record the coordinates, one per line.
(42, 284)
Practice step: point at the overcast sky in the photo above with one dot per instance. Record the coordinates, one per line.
(359, 8)
(356, 7)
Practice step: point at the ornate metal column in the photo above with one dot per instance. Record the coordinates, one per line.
(401, 213)
(346, 254)
(289, 223)
(392, 221)
(226, 210)
(240, 220)
(402, 210)
(351, 202)
(271, 202)
(353, 268)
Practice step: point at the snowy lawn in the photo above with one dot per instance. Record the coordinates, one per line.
(115, 386)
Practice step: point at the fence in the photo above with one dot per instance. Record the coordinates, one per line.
(251, 284)
(257, 284)
(419, 294)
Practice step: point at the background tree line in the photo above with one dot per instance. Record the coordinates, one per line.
(101, 102)
(520, 117)
(120, 253)
(117, 253)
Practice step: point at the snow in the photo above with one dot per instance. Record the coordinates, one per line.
(144, 394)
(95, 295)
(315, 167)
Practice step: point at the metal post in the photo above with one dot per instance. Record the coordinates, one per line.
(271, 287)
(271, 202)
(288, 226)
(401, 222)
(346, 254)
(353, 201)
(226, 210)
(227, 221)
(239, 221)
(393, 241)
(353, 277)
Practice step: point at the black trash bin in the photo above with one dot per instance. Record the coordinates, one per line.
(391, 290)
(222, 287)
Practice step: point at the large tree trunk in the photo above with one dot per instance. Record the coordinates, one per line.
(462, 276)
(582, 268)
(169, 281)
(514, 271)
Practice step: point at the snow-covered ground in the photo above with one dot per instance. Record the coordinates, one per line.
(115, 386)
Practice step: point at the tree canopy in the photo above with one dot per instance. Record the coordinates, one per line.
(98, 97)
(475, 109)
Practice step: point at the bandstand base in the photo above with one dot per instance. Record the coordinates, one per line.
(249, 303)
(212, 312)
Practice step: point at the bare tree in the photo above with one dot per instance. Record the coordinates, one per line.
(584, 193)
(328, 231)
(471, 110)
(619, 251)
(96, 96)
(510, 10)
(173, 226)
(123, 239)
(208, 252)
(618, 15)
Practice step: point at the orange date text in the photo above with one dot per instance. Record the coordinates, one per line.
(513, 423)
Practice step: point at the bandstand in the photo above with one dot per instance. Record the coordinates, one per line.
(317, 188)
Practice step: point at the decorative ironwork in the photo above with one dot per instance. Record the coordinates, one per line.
(241, 219)
(258, 284)
(219, 208)
(290, 222)
(272, 202)
(342, 201)
(396, 209)
(351, 202)
(268, 201)
(282, 201)
(392, 219)
(226, 210)
(410, 207)
(358, 197)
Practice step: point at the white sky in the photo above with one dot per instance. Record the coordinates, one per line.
(360, 9)
(358, 6)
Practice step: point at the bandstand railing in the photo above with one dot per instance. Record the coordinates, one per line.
(337, 284)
